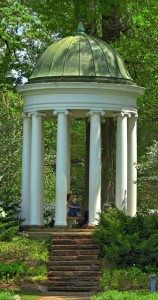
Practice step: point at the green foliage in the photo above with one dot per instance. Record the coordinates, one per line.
(50, 127)
(127, 241)
(6, 295)
(78, 134)
(23, 249)
(116, 295)
(28, 296)
(21, 33)
(108, 235)
(22, 295)
(49, 215)
(11, 150)
(9, 270)
(137, 45)
(9, 220)
(10, 146)
(35, 274)
(26, 29)
(8, 233)
(25, 254)
(148, 179)
(124, 279)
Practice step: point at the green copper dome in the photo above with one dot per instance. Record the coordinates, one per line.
(80, 58)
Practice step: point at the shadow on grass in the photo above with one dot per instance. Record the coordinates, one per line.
(29, 295)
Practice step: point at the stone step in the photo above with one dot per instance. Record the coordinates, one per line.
(73, 268)
(71, 288)
(74, 241)
(73, 257)
(76, 273)
(72, 263)
(71, 235)
(73, 283)
(74, 252)
(71, 247)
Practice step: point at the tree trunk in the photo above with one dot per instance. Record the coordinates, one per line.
(108, 163)
(111, 27)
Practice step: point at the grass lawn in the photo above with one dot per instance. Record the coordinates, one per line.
(29, 295)
(24, 295)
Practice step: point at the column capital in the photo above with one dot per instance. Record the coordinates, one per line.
(122, 114)
(25, 115)
(36, 114)
(134, 115)
(64, 111)
(92, 112)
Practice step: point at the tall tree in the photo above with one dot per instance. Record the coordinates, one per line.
(10, 146)
(22, 38)
(28, 27)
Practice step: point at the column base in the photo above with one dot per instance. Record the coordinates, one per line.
(92, 224)
(59, 227)
(31, 227)
(60, 224)
(23, 224)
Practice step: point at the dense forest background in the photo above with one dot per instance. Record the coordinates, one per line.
(27, 28)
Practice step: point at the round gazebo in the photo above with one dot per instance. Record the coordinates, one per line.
(78, 76)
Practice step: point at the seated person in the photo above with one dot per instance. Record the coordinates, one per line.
(74, 209)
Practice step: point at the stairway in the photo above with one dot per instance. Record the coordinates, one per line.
(73, 262)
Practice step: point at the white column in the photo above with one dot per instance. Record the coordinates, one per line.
(26, 163)
(121, 162)
(95, 168)
(68, 154)
(61, 169)
(37, 184)
(132, 167)
(42, 170)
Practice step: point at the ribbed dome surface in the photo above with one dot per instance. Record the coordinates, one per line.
(80, 58)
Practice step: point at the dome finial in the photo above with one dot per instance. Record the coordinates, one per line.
(80, 29)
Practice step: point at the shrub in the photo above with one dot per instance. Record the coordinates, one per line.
(9, 220)
(26, 256)
(22, 248)
(49, 214)
(127, 241)
(121, 279)
(6, 295)
(35, 274)
(116, 295)
(9, 270)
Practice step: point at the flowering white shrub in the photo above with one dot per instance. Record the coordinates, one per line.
(148, 178)
(2, 213)
(49, 214)
(16, 297)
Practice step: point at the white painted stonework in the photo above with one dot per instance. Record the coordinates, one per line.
(121, 162)
(60, 100)
(26, 165)
(132, 166)
(109, 97)
(36, 176)
(61, 169)
(95, 167)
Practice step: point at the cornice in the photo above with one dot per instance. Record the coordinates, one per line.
(35, 90)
